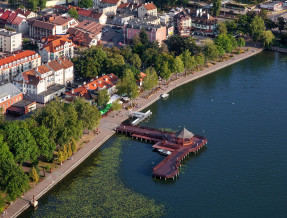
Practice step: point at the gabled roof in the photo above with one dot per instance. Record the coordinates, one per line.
(18, 56)
(184, 134)
(85, 12)
(53, 43)
(17, 20)
(110, 1)
(60, 20)
(5, 15)
(149, 6)
(43, 69)
(59, 64)
(43, 24)
(123, 5)
(11, 17)
(31, 77)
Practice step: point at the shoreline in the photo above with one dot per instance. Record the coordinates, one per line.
(107, 126)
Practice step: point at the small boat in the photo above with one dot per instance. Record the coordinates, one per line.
(164, 152)
(164, 95)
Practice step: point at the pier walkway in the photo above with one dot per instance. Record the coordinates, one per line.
(179, 144)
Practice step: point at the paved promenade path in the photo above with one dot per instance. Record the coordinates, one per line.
(107, 126)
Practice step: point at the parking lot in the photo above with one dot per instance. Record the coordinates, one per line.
(112, 35)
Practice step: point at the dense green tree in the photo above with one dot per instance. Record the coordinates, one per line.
(21, 142)
(32, 4)
(284, 38)
(60, 157)
(42, 4)
(178, 65)
(224, 42)
(240, 42)
(281, 23)
(114, 63)
(210, 50)
(127, 85)
(178, 44)
(87, 113)
(70, 151)
(230, 26)
(85, 3)
(187, 60)
(268, 38)
(45, 144)
(150, 80)
(144, 38)
(257, 28)
(74, 145)
(135, 61)
(222, 28)
(73, 13)
(200, 59)
(215, 10)
(270, 24)
(165, 72)
(149, 56)
(103, 98)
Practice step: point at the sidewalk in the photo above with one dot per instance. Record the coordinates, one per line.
(106, 127)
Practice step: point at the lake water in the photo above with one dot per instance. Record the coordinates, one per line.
(242, 112)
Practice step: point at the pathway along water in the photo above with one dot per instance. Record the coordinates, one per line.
(242, 111)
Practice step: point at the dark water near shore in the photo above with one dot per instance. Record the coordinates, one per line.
(242, 112)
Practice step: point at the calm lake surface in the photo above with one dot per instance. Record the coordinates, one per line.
(242, 112)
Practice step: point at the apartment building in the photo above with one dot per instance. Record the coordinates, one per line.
(52, 25)
(9, 95)
(183, 24)
(13, 64)
(147, 9)
(56, 46)
(10, 41)
(44, 83)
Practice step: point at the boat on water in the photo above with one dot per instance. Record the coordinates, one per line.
(164, 152)
(164, 95)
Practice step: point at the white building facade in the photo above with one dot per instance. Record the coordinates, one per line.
(10, 41)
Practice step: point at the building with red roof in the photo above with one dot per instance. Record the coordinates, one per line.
(45, 82)
(15, 21)
(13, 64)
(55, 46)
(93, 16)
(147, 9)
(88, 90)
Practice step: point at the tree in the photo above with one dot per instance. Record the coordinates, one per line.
(230, 26)
(210, 50)
(222, 28)
(144, 38)
(116, 105)
(187, 60)
(281, 23)
(45, 144)
(241, 42)
(32, 5)
(216, 7)
(224, 42)
(73, 145)
(127, 85)
(178, 65)
(136, 61)
(87, 113)
(178, 44)
(149, 56)
(103, 98)
(85, 3)
(257, 27)
(21, 142)
(34, 175)
(268, 38)
(73, 13)
(42, 4)
(70, 152)
(60, 157)
(151, 79)
(270, 24)
(165, 72)
(65, 152)
(199, 58)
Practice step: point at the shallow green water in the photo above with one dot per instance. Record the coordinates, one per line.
(240, 109)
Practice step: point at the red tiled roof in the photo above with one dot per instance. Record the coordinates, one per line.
(123, 5)
(149, 6)
(85, 12)
(59, 64)
(11, 17)
(106, 81)
(60, 20)
(5, 15)
(17, 56)
(43, 25)
(17, 21)
(43, 69)
(54, 42)
(110, 1)
(31, 77)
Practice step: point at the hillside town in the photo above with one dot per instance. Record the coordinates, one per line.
(99, 56)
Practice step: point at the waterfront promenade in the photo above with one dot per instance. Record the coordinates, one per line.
(107, 125)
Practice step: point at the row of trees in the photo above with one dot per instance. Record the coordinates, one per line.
(25, 141)
(29, 4)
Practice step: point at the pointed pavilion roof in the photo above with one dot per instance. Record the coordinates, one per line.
(184, 134)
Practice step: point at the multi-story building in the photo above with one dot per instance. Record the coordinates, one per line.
(9, 95)
(147, 9)
(154, 32)
(15, 21)
(183, 24)
(56, 46)
(87, 33)
(10, 41)
(18, 62)
(54, 25)
(86, 91)
(203, 23)
(93, 16)
(44, 83)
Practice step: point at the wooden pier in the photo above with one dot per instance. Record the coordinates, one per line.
(181, 144)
